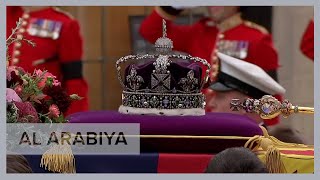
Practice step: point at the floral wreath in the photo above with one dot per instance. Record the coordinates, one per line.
(36, 97)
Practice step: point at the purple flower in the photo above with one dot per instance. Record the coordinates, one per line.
(11, 95)
(27, 113)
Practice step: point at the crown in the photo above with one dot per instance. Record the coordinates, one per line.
(164, 83)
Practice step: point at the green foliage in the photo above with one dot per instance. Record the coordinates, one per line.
(12, 113)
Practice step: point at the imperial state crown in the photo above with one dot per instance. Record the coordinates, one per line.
(164, 84)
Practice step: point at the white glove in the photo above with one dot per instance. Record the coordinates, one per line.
(183, 7)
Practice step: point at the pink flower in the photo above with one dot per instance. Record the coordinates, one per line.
(38, 72)
(11, 95)
(56, 83)
(27, 113)
(11, 69)
(54, 111)
(44, 79)
(18, 89)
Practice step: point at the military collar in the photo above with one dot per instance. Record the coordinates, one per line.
(227, 24)
(36, 10)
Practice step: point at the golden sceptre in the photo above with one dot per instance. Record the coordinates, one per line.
(269, 107)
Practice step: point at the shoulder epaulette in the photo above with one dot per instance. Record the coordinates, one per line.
(63, 12)
(256, 26)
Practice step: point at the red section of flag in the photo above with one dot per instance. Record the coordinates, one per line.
(297, 152)
(183, 163)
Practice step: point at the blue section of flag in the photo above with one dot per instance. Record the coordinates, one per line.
(143, 163)
(34, 162)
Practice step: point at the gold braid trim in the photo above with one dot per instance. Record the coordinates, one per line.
(68, 14)
(59, 158)
(271, 145)
(258, 27)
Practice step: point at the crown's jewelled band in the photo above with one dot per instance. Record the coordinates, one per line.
(148, 56)
(163, 101)
(268, 107)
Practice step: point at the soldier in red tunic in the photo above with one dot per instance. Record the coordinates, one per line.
(306, 45)
(58, 47)
(224, 31)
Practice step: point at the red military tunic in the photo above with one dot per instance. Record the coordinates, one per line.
(204, 38)
(59, 53)
(307, 46)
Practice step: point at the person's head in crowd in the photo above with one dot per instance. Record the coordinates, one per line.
(238, 79)
(236, 160)
(17, 164)
(287, 134)
(220, 13)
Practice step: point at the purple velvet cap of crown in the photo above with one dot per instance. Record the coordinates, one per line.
(178, 69)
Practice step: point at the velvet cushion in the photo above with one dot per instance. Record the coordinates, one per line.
(211, 124)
